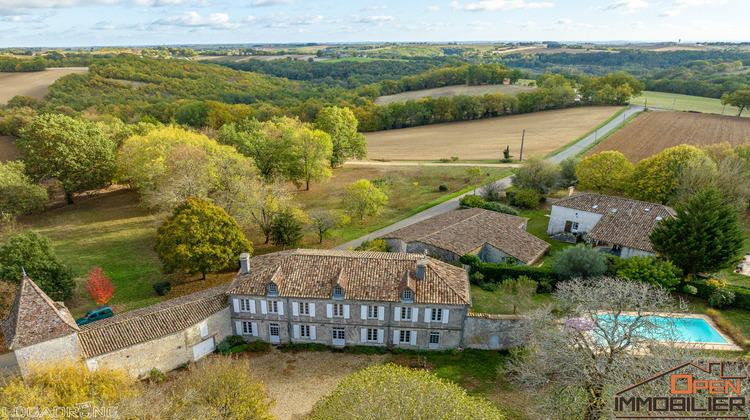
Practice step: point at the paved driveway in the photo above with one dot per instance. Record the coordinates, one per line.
(8, 364)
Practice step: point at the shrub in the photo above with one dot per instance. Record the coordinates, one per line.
(500, 208)
(492, 191)
(444, 160)
(223, 347)
(689, 289)
(650, 270)
(734, 331)
(471, 201)
(234, 340)
(156, 376)
(476, 278)
(444, 188)
(162, 288)
(537, 174)
(470, 259)
(527, 199)
(490, 287)
(454, 158)
(612, 261)
(721, 298)
(375, 245)
(258, 346)
(579, 261)
(365, 350)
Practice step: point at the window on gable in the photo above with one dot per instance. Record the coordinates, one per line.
(338, 292)
(437, 315)
(273, 289)
(405, 313)
(405, 336)
(407, 295)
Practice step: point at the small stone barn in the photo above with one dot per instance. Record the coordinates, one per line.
(492, 236)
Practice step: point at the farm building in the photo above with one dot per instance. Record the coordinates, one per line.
(492, 236)
(338, 298)
(620, 226)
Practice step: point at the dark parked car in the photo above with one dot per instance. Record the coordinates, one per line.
(95, 315)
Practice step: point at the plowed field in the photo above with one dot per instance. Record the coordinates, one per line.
(654, 131)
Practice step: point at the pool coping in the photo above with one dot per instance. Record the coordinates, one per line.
(731, 345)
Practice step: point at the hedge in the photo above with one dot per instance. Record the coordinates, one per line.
(497, 272)
(741, 301)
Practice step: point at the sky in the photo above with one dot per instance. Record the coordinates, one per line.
(71, 23)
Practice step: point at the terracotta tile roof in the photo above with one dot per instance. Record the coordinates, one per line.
(34, 318)
(624, 222)
(151, 322)
(374, 276)
(463, 231)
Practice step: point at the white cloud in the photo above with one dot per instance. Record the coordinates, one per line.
(695, 3)
(670, 13)
(478, 25)
(370, 8)
(261, 3)
(529, 25)
(195, 20)
(495, 5)
(433, 9)
(374, 20)
(627, 6)
(22, 19)
(569, 24)
(10, 7)
(282, 20)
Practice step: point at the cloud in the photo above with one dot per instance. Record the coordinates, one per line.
(423, 26)
(195, 20)
(11, 7)
(529, 25)
(22, 19)
(370, 8)
(627, 6)
(433, 9)
(695, 3)
(262, 3)
(670, 13)
(373, 20)
(282, 20)
(479, 25)
(495, 5)
(569, 24)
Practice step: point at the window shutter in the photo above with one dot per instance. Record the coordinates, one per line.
(236, 305)
(329, 310)
(415, 315)
(295, 308)
(346, 311)
(255, 329)
(395, 336)
(397, 313)
(312, 332)
(281, 308)
(252, 306)
(381, 333)
(445, 316)
(312, 310)
(263, 307)
(427, 314)
(296, 330)
(363, 335)
(364, 311)
(413, 337)
(381, 313)
(238, 325)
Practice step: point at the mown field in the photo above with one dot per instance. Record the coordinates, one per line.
(673, 101)
(32, 84)
(655, 131)
(486, 139)
(451, 91)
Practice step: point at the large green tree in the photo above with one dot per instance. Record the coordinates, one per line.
(18, 193)
(656, 179)
(341, 124)
(580, 261)
(654, 271)
(704, 237)
(199, 238)
(604, 171)
(362, 198)
(312, 150)
(740, 99)
(33, 252)
(537, 174)
(286, 230)
(75, 153)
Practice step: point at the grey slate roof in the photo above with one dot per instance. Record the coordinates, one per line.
(372, 276)
(624, 221)
(463, 231)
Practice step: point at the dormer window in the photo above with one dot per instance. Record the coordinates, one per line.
(273, 289)
(338, 292)
(407, 296)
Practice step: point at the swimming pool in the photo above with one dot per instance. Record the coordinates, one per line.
(685, 329)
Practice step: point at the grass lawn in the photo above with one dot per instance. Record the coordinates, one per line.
(486, 302)
(537, 226)
(738, 317)
(663, 100)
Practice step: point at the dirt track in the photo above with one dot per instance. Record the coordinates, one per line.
(652, 132)
(451, 91)
(32, 84)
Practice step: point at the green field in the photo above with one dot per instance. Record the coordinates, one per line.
(338, 60)
(677, 102)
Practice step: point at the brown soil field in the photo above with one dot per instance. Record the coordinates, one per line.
(652, 132)
(486, 139)
(32, 84)
(451, 91)
(8, 150)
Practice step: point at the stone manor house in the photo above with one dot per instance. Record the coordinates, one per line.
(337, 298)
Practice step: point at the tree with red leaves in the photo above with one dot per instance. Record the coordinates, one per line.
(99, 286)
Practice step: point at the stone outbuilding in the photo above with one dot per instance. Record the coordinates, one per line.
(620, 226)
(492, 236)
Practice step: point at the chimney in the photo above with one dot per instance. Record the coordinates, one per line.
(244, 263)
(421, 267)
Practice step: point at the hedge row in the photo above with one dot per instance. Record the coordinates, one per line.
(497, 272)
(741, 301)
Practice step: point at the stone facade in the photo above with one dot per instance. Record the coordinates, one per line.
(491, 332)
(50, 351)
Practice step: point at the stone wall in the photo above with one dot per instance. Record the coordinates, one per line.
(50, 351)
(632, 252)
(396, 245)
(433, 251)
(559, 215)
(491, 332)
(491, 254)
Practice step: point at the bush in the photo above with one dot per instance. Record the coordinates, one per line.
(497, 272)
(258, 346)
(156, 376)
(579, 261)
(454, 158)
(490, 287)
(470, 259)
(444, 188)
(654, 271)
(500, 208)
(375, 245)
(527, 199)
(612, 261)
(444, 160)
(366, 350)
(476, 278)
(162, 288)
(471, 201)
(689, 290)
(297, 347)
(234, 340)
(721, 298)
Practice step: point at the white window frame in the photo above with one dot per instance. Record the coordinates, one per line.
(304, 308)
(278, 332)
(247, 305)
(406, 313)
(335, 293)
(338, 310)
(272, 289)
(436, 315)
(336, 330)
(373, 312)
(404, 336)
(574, 227)
(304, 331)
(432, 335)
(247, 328)
(407, 295)
(372, 335)
(273, 307)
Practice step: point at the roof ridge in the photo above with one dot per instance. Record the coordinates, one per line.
(48, 300)
(610, 196)
(356, 254)
(451, 225)
(449, 285)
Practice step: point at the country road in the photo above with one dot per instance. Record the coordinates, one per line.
(452, 204)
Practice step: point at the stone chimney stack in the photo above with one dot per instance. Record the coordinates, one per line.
(244, 263)
(422, 267)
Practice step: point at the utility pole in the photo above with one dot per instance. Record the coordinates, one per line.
(722, 109)
(645, 107)
(520, 156)
(674, 102)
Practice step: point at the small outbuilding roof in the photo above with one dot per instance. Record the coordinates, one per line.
(624, 222)
(464, 231)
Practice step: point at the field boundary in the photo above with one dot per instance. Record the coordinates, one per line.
(606, 136)
(571, 144)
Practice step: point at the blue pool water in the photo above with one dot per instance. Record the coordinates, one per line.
(686, 329)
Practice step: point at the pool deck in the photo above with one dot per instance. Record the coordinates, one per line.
(731, 345)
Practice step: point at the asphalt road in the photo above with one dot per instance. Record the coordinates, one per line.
(452, 204)
(8, 364)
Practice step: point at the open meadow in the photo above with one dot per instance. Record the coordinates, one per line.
(673, 101)
(486, 139)
(654, 131)
(451, 91)
(32, 84)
